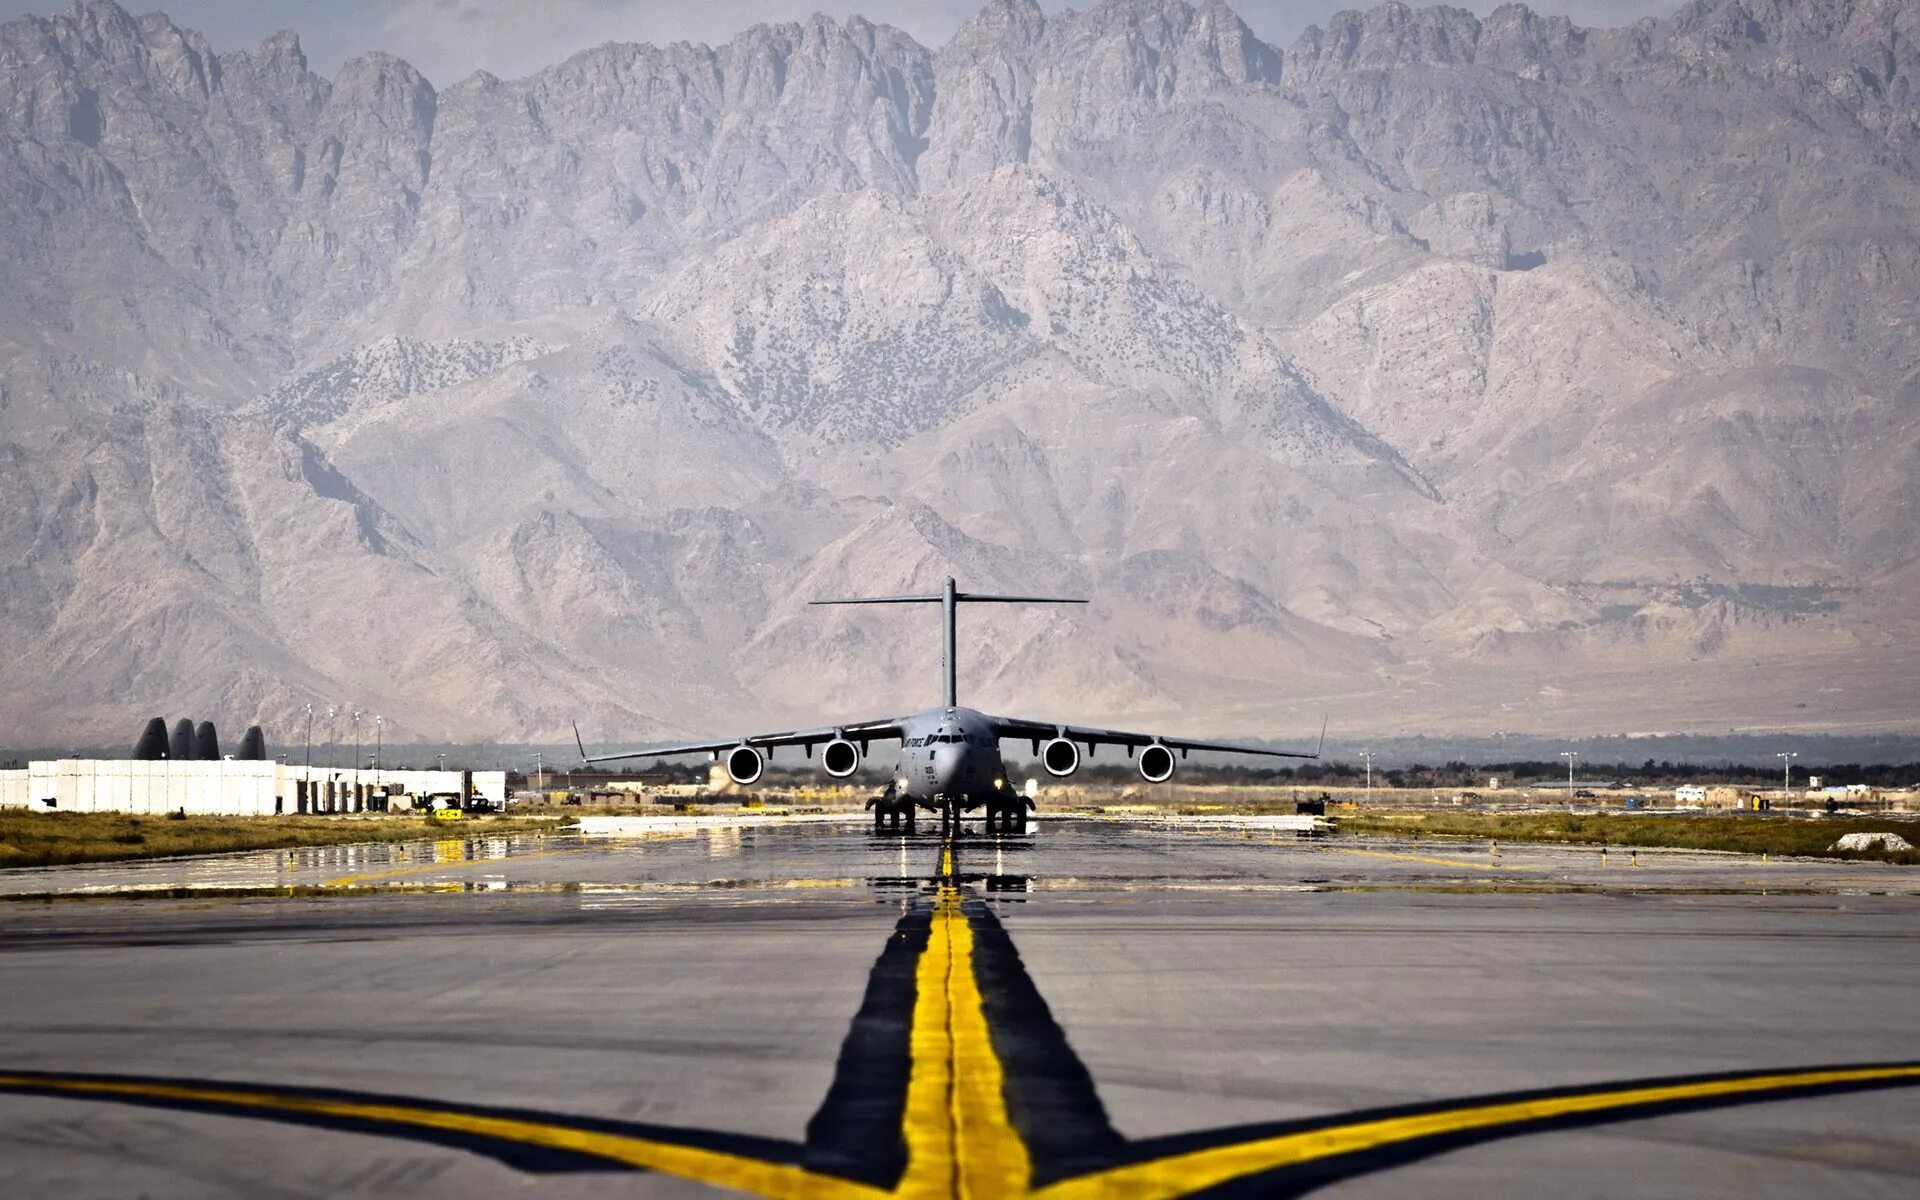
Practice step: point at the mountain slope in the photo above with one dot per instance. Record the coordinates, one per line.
(1438, 371)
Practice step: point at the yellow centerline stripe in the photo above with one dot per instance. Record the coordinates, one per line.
(1180, 1174)
(1400, 856)
(927, 1117)
(430, 868)
(779, 1180)
(993, 1159)
(960, 1139)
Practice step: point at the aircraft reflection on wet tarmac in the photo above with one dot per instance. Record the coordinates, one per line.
(774, 860)
(954, 854)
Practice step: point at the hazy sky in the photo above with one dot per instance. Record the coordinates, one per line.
(449, 39)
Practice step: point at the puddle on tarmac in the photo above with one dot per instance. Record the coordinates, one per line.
(770, 861)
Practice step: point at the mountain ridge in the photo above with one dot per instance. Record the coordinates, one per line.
(1428, 357)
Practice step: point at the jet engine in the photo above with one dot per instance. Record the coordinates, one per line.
(1060, 757)
(744, 765)
(1156, 763)
(840, 757)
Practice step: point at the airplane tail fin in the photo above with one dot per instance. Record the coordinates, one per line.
(950, 598)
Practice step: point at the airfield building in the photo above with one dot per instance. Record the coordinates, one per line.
(232, 787)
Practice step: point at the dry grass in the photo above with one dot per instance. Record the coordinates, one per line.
(35, 839)
(1747, 833)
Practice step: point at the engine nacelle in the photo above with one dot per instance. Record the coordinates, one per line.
(1060, 757)
(744, 765)
(840, 757)
(1156, 763)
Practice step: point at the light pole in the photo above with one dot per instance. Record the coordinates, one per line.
(443, 762)
(309, 759)
(379, 744)
(1569, 755)
(539, 779)
(1368, 755)
(1786, 758)
(333, 760)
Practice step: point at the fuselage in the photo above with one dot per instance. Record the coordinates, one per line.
(951, 753)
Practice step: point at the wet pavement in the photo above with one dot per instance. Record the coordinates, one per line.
(760, 1008)
(1058, 855)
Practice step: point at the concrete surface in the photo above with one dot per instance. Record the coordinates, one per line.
(706, 978)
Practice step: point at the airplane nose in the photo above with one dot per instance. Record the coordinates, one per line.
(947, 762)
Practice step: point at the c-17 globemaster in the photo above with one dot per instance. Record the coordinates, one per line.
(949, 756)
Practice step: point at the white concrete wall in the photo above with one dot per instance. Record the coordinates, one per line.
(226, 788)
(122, 785)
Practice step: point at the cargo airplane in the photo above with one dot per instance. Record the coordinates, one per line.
(949, 756)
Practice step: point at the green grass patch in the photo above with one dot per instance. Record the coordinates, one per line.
(39, 839)
(1745, 833)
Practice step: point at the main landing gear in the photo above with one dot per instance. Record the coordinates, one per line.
(894, 813)
(1007, 813)
(891, 813)
(1000, 817)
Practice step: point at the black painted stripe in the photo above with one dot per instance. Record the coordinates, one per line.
(1051, 1098)
(859, 1130)
(530, 1158)
(1306, 1177)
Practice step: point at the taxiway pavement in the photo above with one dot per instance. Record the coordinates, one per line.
(749, 993)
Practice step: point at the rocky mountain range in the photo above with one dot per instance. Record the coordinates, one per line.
(1438, 372)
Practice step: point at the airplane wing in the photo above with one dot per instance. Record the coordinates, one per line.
(858, 731)
(1039, 731)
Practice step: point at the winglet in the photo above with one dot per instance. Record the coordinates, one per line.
(1316, 750)
(583, 745)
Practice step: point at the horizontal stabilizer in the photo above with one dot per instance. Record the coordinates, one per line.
(951, 598)
(977, 596)
(959, 597)
(883, 600)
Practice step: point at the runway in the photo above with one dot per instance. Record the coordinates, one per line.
(1094, 1009)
